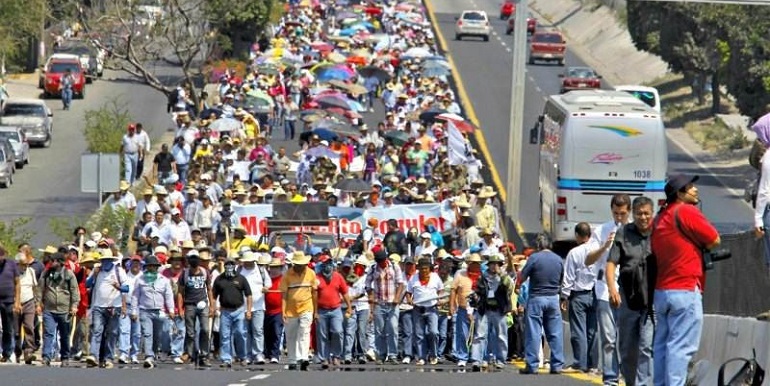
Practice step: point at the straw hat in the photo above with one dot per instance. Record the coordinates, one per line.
(264, 259)
(249, 257)
(49, 249)
(300, 258)
(90, 257)
(188, 244)
(487, 192)
(275, 262)
(124, 185)
(362, 260)
(474, 258)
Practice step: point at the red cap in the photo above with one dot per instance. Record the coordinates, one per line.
(131, 126)
(324, 258)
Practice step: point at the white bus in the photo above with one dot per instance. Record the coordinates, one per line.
(594, 144)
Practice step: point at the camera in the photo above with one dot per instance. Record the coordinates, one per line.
(710, 256)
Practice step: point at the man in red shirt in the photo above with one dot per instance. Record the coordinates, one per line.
(332, 288)
(273, 316)
(680, 234)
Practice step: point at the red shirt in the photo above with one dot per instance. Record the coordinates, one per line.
(680, 265)
(274, 297)
(329, 294)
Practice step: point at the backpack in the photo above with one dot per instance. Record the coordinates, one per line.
(750, 374)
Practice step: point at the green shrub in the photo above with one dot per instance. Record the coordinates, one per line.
(104, 127)
(14, 233)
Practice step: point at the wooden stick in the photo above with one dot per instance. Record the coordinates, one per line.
(73, 327)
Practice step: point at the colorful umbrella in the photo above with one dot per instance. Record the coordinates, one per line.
(397, 137)
(333, 101)
(459, 122)
(374, 71)
(327, 74)
(225, 124)
(321, 46)
(416, 52)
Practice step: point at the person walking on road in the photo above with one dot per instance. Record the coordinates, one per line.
(635, 321)
(273, 309)
(175, 326)
(357, 325)
(681, 232)
(151, 298)
(131, 149)
(463, 284)
(59, 298)
(495, 291)
(144, 141)
(578, 299)
(194, 294)
(108, 285)
(543, 270)
(332, 289)
(253, 269)
(385, 286)
(232, 291)
(26, 318)
(601, 242)
(130, 328)
(299, 287)
(423, 291)
(65, 87)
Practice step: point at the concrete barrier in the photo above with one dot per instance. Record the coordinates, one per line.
(727, 337)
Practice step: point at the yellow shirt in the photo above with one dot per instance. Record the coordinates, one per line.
(250, 126)
(201, 152)
(297, 292)
(237, 244)
(297, 198)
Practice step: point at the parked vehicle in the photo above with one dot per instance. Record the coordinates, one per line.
(33, 117)
(19, 143)
(56, 69)
(8, 149)
(41, 78)
(6, 168)
(473, 23)
(507, 9)
(547, 46)
(86, 54)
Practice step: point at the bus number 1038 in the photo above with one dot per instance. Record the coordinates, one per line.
(642, 174)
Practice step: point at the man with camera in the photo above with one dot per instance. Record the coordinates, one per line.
(680, 235)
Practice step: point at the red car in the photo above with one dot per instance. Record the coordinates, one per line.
(507, 9)
(56, 69)
(576, 78)
(531, 25)
(548, 46)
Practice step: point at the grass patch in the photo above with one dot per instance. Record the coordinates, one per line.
(716, 137)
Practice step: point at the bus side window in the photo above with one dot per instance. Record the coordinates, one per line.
(536, 134)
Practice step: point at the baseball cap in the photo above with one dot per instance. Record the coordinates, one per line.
(677, 182)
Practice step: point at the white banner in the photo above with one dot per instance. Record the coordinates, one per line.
(350, 221)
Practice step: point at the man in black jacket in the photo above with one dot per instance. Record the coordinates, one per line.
(495, 302)
(395, 240)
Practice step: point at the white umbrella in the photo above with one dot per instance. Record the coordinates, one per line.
(417, 52)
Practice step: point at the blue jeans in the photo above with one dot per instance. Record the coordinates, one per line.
(232, 330)
(130, 336)
(289, 129)
(181, 170)
(462, 329)
(355, 332)
(329, 333)
(104, 330)
(386, 330)
(606, 316)
(582, 328)
(406, 331)
(152, 325)
(176, 338)
(490, 337)
(426, 323)
(53, 324)
(635, 332)
(66, 97)
(130, 161)
(443, 330)
(273, 334)
(543, 313)
(679, 326)
(256, 335)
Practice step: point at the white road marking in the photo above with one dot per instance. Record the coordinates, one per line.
(532, 79)
(507, 49)
(260, 376)
(538, 88)
(503, 43)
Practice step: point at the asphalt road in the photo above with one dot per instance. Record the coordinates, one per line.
(50, 185)
(485, 69)
(274, 375)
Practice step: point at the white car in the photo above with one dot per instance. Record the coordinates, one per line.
(19, 143)
(473, 23)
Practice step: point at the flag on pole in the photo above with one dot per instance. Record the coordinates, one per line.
(459, 149)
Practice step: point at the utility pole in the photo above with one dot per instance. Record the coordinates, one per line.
(516, 131)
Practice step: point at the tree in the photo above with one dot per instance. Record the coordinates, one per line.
(20, 21)
(104, 128)
(14, 233)
(240, 22)
(135, 36)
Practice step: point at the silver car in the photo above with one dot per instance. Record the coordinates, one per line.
(473, 23)
(6, 168)
(19, 143)
(33, 117)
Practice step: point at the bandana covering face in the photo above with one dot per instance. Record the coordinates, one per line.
(230, 270)
(107, 265)
(150, 277)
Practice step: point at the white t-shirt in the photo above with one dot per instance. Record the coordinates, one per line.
(106, 294)
(425, 295)
(256, 283)
(598, 238)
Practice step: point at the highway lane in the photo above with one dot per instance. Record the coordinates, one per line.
(485, 69)
(50, 185)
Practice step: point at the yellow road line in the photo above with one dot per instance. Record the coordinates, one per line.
(468, 107)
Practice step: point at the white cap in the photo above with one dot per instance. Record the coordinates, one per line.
(325, 142)
(175, 212)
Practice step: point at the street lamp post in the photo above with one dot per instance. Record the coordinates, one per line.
(517, 110)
